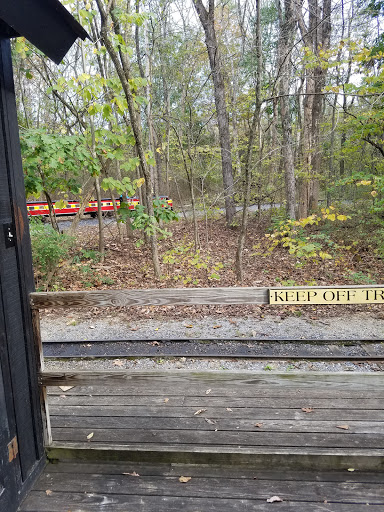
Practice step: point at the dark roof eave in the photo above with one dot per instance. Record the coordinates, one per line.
(45, 23)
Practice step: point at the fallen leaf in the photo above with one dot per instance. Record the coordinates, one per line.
(307, 409)
(351, 469)
(211, 422)
(343, 427)
(132, 474)
(217, 326)
(188, 325)
(134, 328)
(185, 479)
(89, 436)
(118, 362)
(208, 391)
(274, 499)
(155, 343)
(91, 326)
(48, 492)
(258, 425)
(233, 322)
(66, 388)
(72, 322)
(166, 400)
(199, 412)
(229, 409)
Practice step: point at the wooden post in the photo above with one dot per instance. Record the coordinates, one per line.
(43, 390)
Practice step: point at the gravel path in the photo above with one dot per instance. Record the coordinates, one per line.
(361, 326)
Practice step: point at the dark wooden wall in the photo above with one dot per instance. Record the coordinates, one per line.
(16, 282)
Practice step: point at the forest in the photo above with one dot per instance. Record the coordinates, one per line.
(263, 120)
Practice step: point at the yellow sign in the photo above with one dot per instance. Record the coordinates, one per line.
(313, 295)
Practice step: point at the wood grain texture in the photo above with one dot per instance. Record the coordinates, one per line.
(216, 380)
(66, 407)
(161, 297)
(103, 487)
(223, 424)
(96, 502)
(155, 297)
(243, 414)
(38, 345)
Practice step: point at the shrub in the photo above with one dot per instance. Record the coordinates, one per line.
(49, 249)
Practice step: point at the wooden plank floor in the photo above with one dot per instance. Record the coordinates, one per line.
(291, 420)
(128, 487)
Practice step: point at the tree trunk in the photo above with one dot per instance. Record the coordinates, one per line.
(287, 31)
(255, 128)
(100, 219)
(316, 37)
(52, 215)
(207, 19)
(123, 70)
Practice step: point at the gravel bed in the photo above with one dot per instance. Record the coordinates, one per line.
(361, 326)
(161, 364)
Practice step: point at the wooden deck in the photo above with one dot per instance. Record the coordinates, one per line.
(88, 487)
(297, 421)
(122, 440)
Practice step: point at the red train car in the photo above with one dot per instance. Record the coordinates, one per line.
(40, 208)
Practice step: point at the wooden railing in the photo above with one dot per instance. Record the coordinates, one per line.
(123, 298)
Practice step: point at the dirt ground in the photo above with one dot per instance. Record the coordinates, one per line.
(127, 265)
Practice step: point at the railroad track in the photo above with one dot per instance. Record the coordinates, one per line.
(223, 348)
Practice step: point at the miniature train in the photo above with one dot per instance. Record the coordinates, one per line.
(40, 208)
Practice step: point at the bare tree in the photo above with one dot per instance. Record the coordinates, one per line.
(207, 19)
(316, 37)
(123, 69)
(286, 36)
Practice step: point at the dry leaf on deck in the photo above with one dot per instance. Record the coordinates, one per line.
(208, 391)
(132, 474)
(155, 343)
(185, 479)
(188, 325)
(217, 326)
(258, 425)
(118, 362)
(211, 422)
(199, 412)
(48, 492)
(229, 409)
(343, 427)
(274, 499)
(166, 400)
(89, 436)
(307, 409)
(66, 388)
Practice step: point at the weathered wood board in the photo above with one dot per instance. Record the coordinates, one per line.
(199, 296)
(218, 412)
(130, 487)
